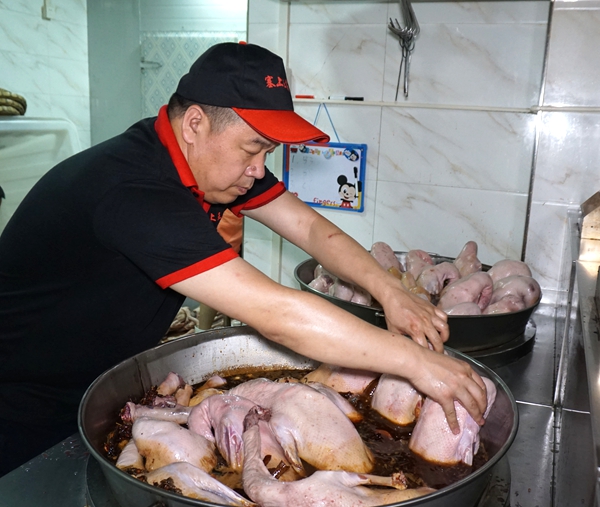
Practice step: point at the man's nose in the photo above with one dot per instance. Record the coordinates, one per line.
(256, 170)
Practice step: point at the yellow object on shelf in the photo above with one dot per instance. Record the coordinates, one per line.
(12, 103)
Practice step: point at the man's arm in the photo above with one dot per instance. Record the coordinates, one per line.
(314, 327)
(343, 256)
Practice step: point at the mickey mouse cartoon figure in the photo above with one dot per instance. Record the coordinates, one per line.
(348, 192)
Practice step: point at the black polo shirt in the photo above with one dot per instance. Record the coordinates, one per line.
(87, 259)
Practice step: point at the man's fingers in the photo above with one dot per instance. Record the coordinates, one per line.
(451, 417)
(442, 329)
(479, 381)
(475, 401)
(441, 314)
(421, 340)
(475, 397)
(430, 339)
(472, 406)
(436, 341)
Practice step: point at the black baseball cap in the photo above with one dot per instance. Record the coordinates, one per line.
(252, 81)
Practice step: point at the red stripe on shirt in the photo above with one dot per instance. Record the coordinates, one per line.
(262, 199)
(197, 268)
(163, 128)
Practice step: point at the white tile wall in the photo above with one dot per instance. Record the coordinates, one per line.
(46, 61)
(453, 148)
(454, 163)
(471, 64)
(472, 53)
(267, 25)
(568, 166)
(568, 169)
(442, 219)
(573, 60)
(327, 59)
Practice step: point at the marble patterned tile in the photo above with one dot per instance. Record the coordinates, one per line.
(72, 108)
(20, 6)
(265, 35)
(545, 239)
(67, 77)
(264, 11)
(67, 40)
(23, 73)
(21, 33)
(46, 61)
(71, 11)
(567, 164)
(471, 149)
(492, 65)
(573, 69)
(338, 12)
(478, 12)
(346, 61)
(442, 220)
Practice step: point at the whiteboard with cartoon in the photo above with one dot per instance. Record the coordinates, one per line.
(327, 175)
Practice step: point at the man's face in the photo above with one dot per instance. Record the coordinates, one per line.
(226, 164)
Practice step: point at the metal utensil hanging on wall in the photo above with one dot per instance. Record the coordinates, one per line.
(406, 38)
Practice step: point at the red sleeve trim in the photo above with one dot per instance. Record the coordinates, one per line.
(262, 199)
(197, 268)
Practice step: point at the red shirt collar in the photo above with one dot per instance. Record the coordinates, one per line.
(167, 138)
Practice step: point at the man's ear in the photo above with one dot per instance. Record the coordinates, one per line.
(194, 121)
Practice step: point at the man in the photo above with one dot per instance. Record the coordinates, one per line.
(99, 257)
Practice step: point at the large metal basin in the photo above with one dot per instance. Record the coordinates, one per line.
(468, 333)
(198, 356)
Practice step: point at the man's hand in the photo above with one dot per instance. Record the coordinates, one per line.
(445, 380)
(411, 315)
(344, 257)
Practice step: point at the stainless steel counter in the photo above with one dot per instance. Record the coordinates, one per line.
(587, 277)
(552, 461)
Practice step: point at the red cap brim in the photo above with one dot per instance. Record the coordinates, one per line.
(282, 126)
